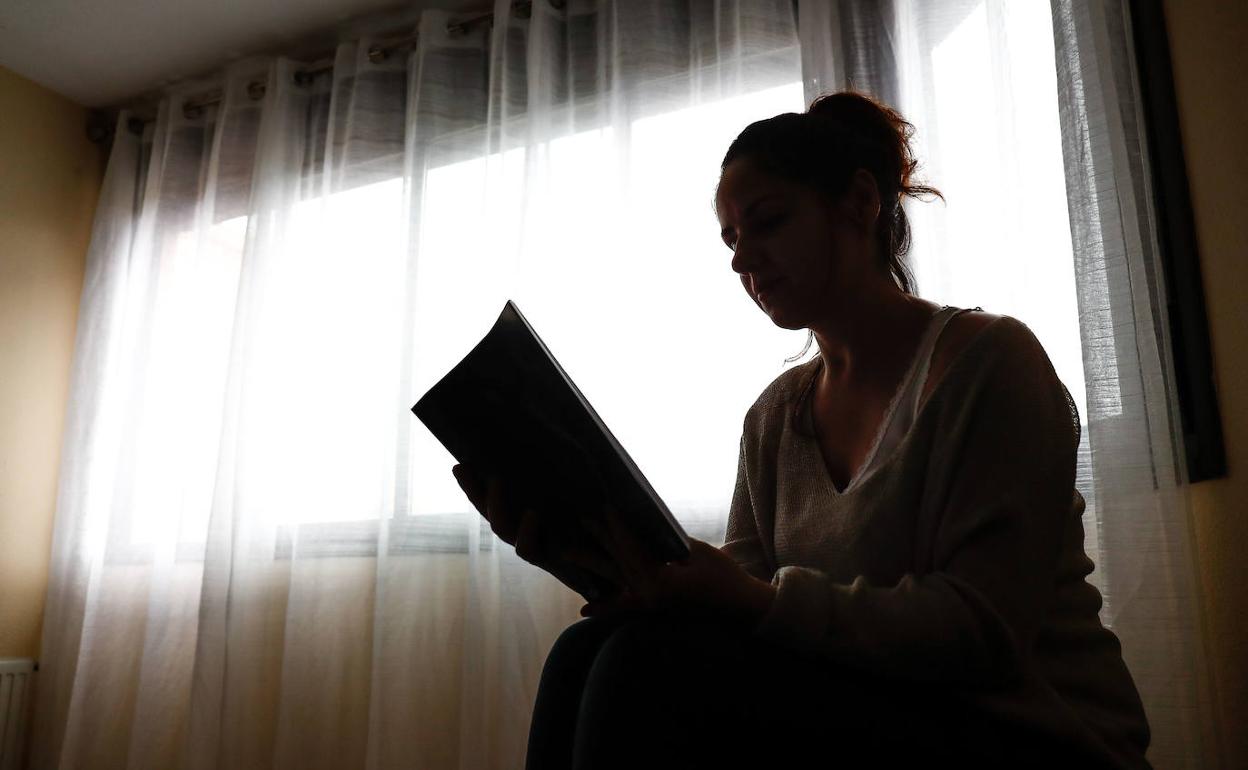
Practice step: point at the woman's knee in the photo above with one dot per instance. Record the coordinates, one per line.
(585, 637)
(658, 695)
(573, 654)
(677, 660)
(662, 645)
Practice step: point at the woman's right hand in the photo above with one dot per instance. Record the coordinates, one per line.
(523, 528)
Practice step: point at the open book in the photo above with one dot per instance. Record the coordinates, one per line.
(508, 408)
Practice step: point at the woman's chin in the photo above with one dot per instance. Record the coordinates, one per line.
(780, 313)
(783, 319)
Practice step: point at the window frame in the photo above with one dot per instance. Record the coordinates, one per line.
(1199, 415)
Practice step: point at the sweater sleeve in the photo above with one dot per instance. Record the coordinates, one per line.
(741, 541)
(1001, 485)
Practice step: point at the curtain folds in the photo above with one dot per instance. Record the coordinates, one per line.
(261, 559)
(1147, 560)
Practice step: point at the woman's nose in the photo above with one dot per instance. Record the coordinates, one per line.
(744, 257)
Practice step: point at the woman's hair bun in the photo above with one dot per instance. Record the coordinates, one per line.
(881, 125)
(822, 148)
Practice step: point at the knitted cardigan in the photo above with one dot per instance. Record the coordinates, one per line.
(958, 559)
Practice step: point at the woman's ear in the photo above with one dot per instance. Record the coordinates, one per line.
(863, 198)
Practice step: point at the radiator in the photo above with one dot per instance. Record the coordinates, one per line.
(15, 680)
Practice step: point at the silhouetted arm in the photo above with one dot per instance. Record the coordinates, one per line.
(741, 540)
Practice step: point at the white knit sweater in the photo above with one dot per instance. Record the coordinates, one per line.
(959, 559)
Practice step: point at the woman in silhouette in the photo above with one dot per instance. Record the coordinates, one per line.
(903, 574)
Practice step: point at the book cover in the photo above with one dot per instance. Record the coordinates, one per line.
(508, 408)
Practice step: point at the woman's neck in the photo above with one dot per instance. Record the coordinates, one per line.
(868, 346)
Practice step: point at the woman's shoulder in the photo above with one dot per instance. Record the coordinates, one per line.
(1001, 359)
(784, 389)
(970, 340)
(974, 339)
(982, 335)
(964, 327)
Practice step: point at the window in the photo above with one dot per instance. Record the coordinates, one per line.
(611, 251)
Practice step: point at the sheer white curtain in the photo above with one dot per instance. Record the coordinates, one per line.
(1151, 588)
(261, 558)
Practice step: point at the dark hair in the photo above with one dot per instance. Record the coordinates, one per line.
(822, 148)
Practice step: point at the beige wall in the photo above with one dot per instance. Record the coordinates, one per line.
(1208, 40)
(50, 176)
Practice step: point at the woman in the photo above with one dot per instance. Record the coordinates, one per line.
(903, 577)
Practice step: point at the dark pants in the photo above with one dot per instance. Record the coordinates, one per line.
(656, 691)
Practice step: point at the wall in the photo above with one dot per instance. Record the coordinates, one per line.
(1207, 40)
(50, 175)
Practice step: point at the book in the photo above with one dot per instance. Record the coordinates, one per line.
(509, 409)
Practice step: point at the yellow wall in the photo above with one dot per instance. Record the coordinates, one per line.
(50, 175)
(1207, 39)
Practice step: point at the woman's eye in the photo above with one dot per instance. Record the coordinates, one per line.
(762, 225)
(769, 222)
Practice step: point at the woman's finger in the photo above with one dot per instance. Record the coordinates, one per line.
(528, 543)
(626, 550)
(596, 559)
(626, 540)
(503, 521)
(470, 486)
(623, 603)
(599, 536)
(602, 535)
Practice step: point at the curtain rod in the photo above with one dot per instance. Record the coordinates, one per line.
(194, 107)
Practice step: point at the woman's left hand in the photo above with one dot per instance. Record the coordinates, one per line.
(707, 582)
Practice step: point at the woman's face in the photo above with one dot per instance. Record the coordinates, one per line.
(800, 255)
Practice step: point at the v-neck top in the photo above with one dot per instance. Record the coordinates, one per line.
(902, 407)
(958, 560)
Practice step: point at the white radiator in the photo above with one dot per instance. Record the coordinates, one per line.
(15, 680)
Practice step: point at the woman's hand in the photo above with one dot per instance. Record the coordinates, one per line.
(523, 529)
(707, 582)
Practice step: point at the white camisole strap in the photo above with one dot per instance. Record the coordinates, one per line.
(905, 405)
